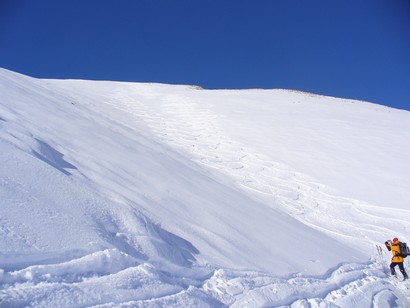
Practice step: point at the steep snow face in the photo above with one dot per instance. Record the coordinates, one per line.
(92, 147)
(175, 196)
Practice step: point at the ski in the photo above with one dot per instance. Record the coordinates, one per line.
(381, 260)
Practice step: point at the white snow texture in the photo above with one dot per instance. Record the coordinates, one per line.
(121, 194)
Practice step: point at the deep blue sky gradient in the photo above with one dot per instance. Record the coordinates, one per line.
(344, 48)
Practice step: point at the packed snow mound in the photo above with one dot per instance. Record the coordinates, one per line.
(148, 194)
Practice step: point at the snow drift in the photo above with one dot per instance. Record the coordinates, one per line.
(129, 194)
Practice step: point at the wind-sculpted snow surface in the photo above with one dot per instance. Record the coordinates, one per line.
(147, 195)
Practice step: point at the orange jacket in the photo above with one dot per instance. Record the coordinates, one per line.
(395, 249)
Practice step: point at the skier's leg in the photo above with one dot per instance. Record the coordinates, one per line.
(401, 267)
(392, 266)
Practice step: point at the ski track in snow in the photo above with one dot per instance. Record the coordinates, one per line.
(192, 129)
(119, 277)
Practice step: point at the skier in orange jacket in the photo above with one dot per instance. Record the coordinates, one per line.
(397, 259)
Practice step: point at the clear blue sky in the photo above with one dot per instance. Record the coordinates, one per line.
(346, 48)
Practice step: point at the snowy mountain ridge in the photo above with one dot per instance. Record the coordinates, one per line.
(130, 194)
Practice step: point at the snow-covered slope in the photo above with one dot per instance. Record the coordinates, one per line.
(127, 194)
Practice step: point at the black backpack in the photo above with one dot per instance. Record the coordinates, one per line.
(404, 250)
